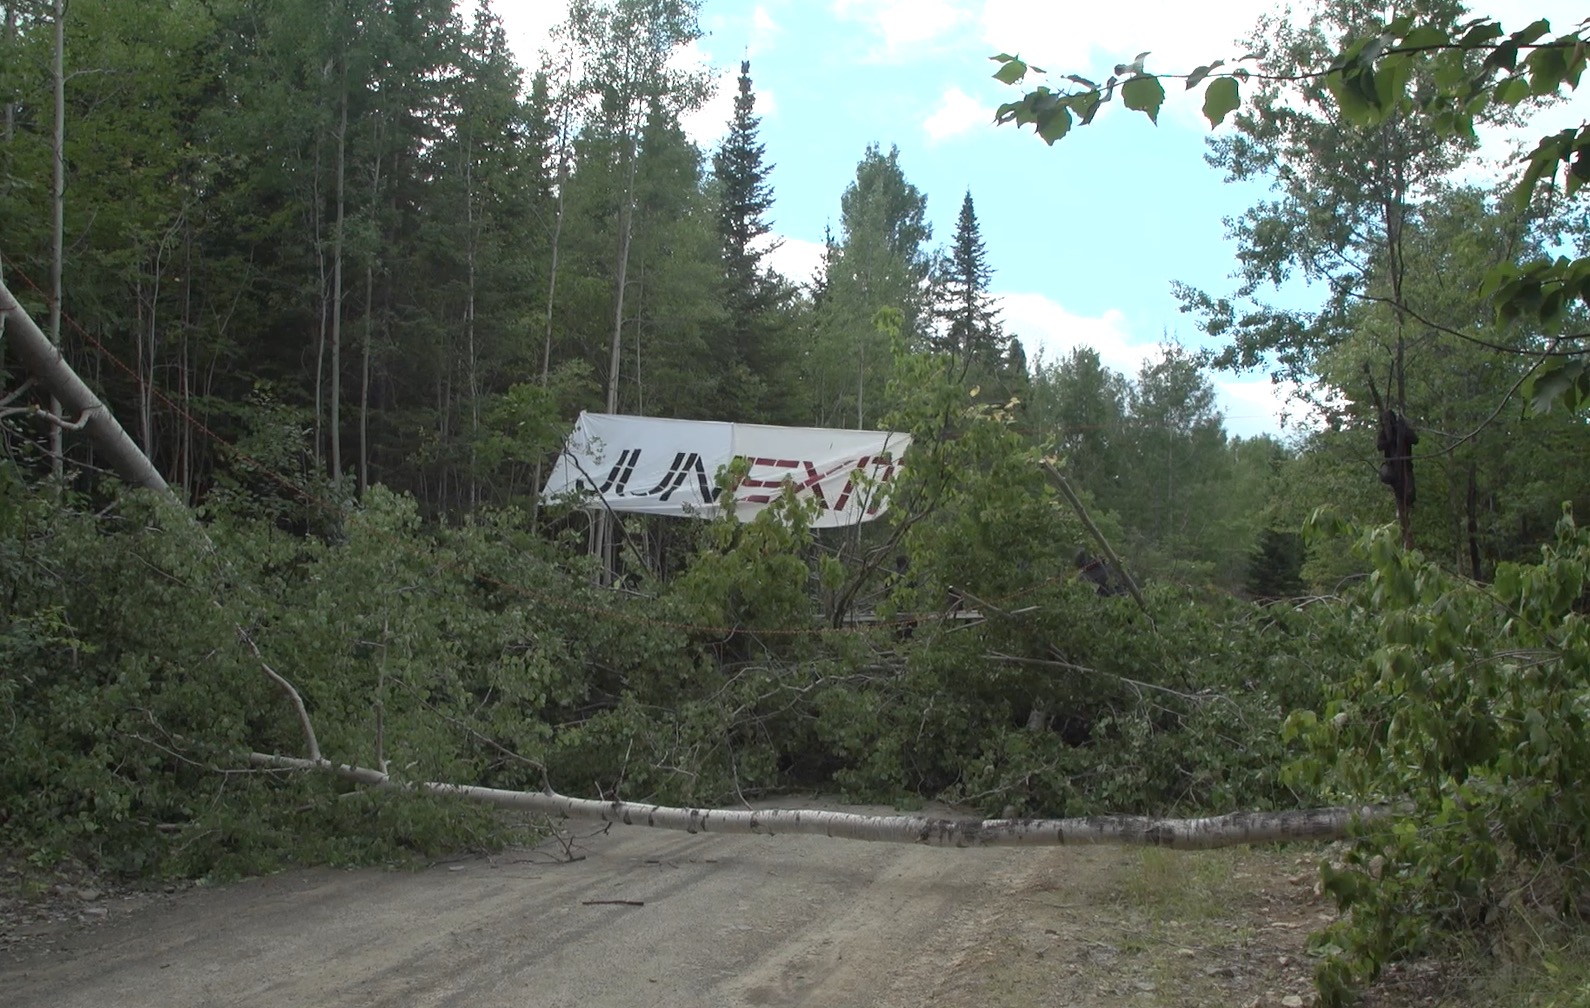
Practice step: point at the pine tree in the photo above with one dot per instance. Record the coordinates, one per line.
(972, 332)
(754, 336)
(1275, 569)
(746, 197)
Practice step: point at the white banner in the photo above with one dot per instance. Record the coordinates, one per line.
(654, 466)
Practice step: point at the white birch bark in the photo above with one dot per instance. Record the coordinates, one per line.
(1230, 830)
(44, 362)
(57, 218)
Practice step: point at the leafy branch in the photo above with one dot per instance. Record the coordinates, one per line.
(1452, 74)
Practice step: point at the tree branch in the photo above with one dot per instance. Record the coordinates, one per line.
(65, 425)
(1499, 348)
(293, 697)
(1230, 830)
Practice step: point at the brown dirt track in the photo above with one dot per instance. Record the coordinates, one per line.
(721, 921)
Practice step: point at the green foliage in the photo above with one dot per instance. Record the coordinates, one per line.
(1425, 69)
(1275, 570)
(1179, 499)
(1222, 97)
(1471, 716)
(482, 653)
(1566, 380)
(1143, 94)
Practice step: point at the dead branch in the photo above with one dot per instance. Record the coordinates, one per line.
(1230, 830)
(65, 425)
(293, 697)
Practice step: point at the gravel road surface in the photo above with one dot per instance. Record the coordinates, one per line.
(646, 917)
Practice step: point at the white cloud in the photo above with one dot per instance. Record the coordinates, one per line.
(796, 260)
(763, 31)
(957, 113)
(905, 28)
(529, 25)
(1259, 406)
(1049, 332)
(1090, 39)
(707, 124)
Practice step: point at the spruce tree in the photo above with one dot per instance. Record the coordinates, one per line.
(746, 198)
(971, 331)
(754, 335)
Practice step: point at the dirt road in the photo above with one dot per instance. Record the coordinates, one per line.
(653, 918)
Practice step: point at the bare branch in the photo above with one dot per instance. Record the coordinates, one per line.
(293, 697)
(70, 425)
(16, 393)
(1230, 830)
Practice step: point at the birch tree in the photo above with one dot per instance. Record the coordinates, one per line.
(880, 261)
(632, 47)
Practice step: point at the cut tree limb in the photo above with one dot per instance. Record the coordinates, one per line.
(1231, 830)
(1064, 485)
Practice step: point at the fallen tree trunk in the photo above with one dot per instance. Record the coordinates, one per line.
(43, 360)
(1231, 830)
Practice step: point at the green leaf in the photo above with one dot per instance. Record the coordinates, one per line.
(1424, 36)
(1547, 68)
(1543, 161)
(1356, 109)
(1196, 77)
(1144, 94)
(1503, 57)
(1054, 124)
(1087, 106)
(1221, 97)
(1012, 71)
(1511, 91)
(1484, 30)
(1579, 174)
(1390, 81)
(1529, 35)
(1556, 382)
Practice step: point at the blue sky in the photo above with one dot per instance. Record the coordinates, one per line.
(1085, 237)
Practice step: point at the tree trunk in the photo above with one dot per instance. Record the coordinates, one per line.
(603, 537)
(1473, 523)
(8, 125)
(364, 382)
(552, 290)
(626, 227)
(334, 421)
(1230, 830)
(471, 352)
(8, 129)
(43, 361)
(369, 324)
(57, 218)
(317, 215)
(184, 446)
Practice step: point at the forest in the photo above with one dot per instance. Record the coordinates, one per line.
(346, 271)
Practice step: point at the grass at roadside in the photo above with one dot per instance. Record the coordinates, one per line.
(1156, 928)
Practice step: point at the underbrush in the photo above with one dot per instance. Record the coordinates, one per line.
(1472, 716)
(141, 655)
